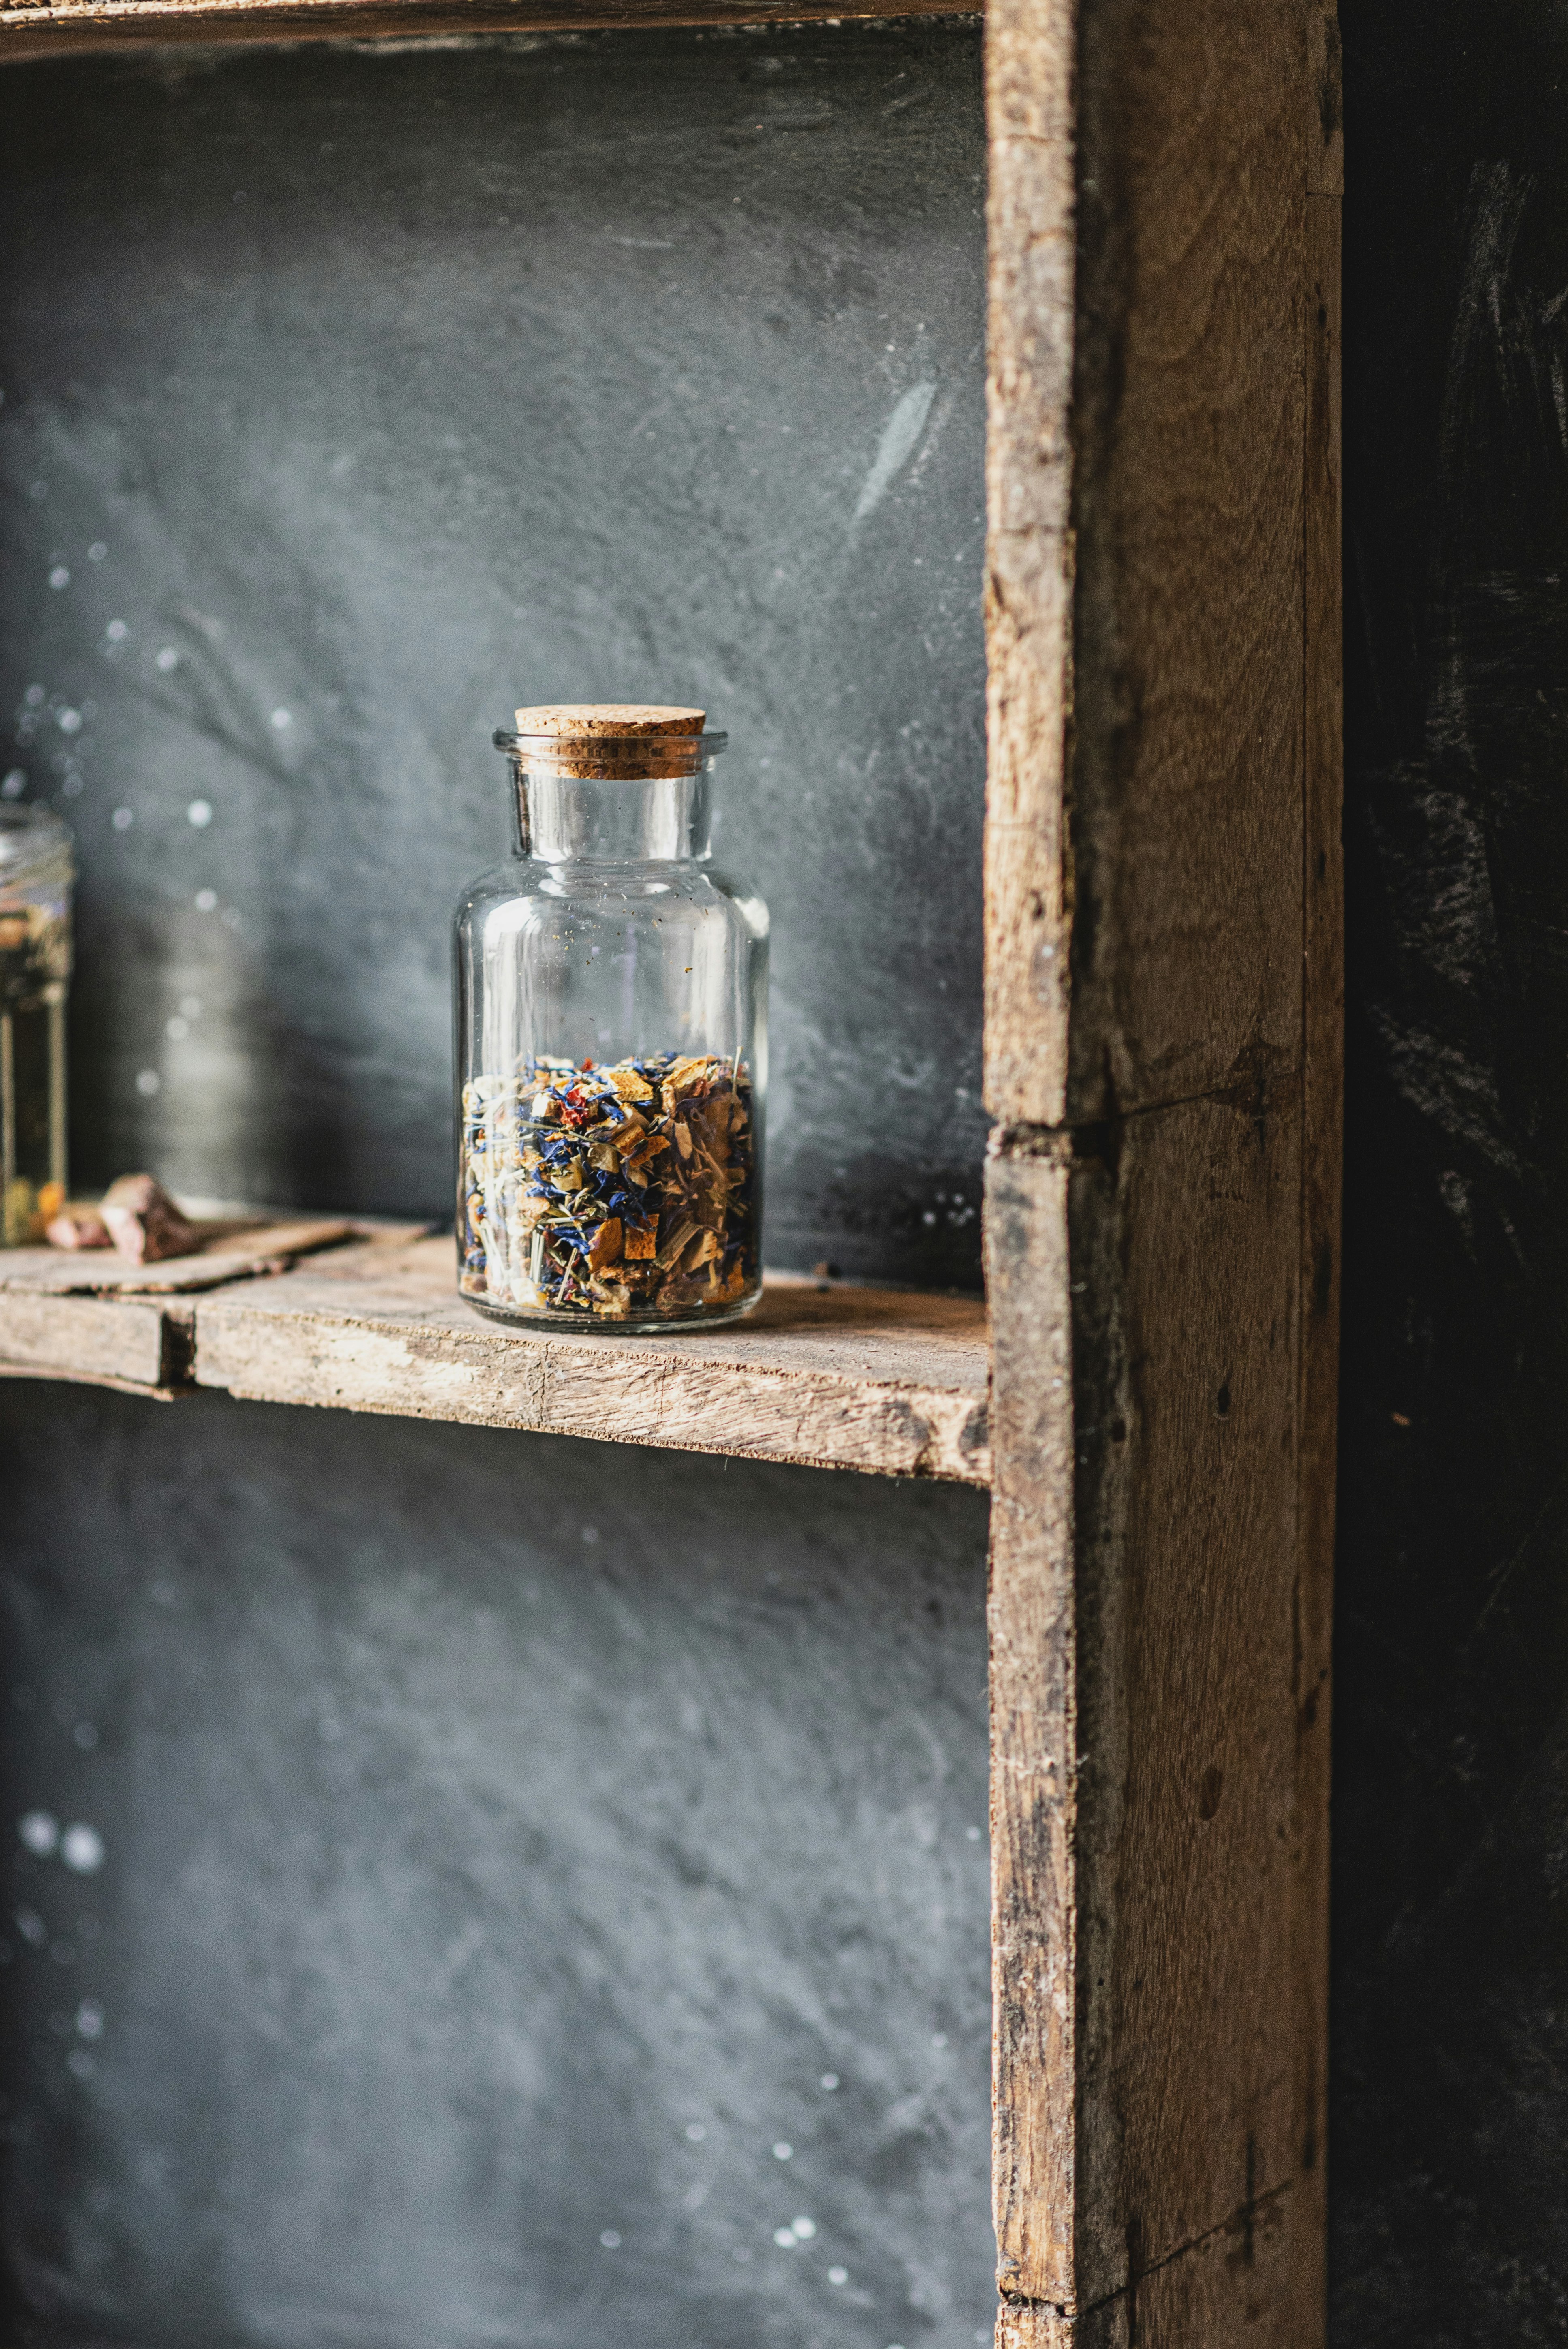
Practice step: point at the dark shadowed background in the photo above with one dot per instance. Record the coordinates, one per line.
(1449, 2146)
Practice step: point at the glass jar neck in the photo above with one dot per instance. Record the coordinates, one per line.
(566, 819)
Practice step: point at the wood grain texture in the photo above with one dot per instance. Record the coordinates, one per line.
(93, 1339)
(1231, 2285)
(845, 1378)
(1034, 1744)
(1143, 1645)
(1185, 1238)
(1028, 558)
(82, 25)
(1325, 122)
(1033, 2325)
(1187, 515)
(826, 1376)
(1165, 1171)
(224, 1254)
(1323, 1034)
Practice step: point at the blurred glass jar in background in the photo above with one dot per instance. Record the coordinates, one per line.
(35, 876)
(612, 1037)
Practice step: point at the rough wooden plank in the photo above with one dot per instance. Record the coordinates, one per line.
(1143, 1652)
(1326, 122)
(1034, 1745)
(100, 1272)
(1233, 2284)
(1028, 564)
(97, 1340)
(1033, 2325)
(841, 1378)
(1185, 1237)
(1159, 1787)
(78, 25)
(230, 1249)
(1323, 893)
(1187, 512)
(821, 1373)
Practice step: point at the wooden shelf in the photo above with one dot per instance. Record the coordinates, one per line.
(831, 1377)
(34, 31)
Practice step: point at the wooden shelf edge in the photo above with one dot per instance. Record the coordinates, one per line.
(139, 1343)
(31, 33)
(82, 1378)
(871, 1380)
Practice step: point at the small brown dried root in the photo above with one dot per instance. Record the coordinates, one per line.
(143, 1221)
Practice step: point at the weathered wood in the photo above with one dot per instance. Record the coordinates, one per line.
(1187, 509)
(95, 1340)
(1233, 2284)
(1143, 1646)
(1034, 1745)
(228, 1249)
(1165, 1166)
(78, 25)
(1326, 122)
(1322, 892)
(1028, 568)
(1185, 1234)
(1144, 574)
(843, 1377)
(825, 1375)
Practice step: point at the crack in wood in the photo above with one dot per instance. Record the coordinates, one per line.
(1243, 2220)
(1253, 1083)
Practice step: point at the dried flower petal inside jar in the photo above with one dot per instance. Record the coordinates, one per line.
(612, 1037)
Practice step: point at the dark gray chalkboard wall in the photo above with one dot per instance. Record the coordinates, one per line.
(1450, 2079)
(393, 387)
(503, 1837)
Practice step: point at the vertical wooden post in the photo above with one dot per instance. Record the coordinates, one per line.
(1323, 1076)
(1163, 1055)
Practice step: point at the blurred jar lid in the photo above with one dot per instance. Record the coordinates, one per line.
(35, 845)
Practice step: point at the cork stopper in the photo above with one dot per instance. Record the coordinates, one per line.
(671, 736)
(620, 721)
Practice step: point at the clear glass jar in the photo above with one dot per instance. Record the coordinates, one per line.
(612, 1037)
(36, 876)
